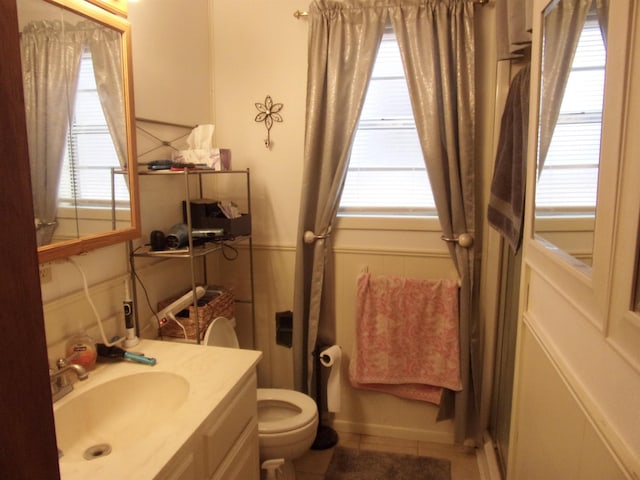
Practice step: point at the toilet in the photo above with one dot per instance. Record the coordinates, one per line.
(287, 420)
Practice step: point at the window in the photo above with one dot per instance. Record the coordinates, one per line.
(387, 174)
(569, 181)
(89, 155)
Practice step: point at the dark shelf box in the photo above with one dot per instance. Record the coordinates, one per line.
(233, 227)
(205, 213)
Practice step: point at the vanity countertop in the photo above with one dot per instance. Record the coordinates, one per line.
(212, 373)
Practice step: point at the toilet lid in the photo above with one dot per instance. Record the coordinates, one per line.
(281, 410)
(221, 334)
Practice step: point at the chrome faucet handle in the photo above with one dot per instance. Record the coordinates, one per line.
(62, 362)
(79, 370)
(60, 383)
(60, 376)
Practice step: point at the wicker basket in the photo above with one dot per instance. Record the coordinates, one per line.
(219, 303)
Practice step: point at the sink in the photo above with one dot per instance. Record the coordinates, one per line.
(113, 415)
(130, 420)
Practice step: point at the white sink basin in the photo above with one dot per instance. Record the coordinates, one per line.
(144, 414)
(117, 413)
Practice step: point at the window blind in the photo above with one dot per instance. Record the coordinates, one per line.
(387, 173)
(569, 180)
(89, 155)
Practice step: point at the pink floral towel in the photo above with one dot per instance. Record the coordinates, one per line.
(406, 337)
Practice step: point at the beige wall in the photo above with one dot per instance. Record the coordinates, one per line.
(260, 50)
(171, 55)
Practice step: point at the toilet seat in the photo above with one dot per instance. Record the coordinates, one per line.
(281, 412)
(221, 334)
(294, 410)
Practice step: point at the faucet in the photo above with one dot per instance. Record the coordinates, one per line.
(59, 379)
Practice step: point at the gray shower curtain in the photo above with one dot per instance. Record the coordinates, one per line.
(563, 25)
(343, 43)
(436, 39)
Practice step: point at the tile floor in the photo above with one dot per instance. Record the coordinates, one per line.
(464, 465)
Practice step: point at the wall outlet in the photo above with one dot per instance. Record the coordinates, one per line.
(45, 274)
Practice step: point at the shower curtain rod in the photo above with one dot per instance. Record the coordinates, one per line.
(298, 14)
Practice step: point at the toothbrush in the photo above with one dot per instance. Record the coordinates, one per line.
(127, 307)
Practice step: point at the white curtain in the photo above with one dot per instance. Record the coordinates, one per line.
(50, 52)
(436, 39)
(105, 46)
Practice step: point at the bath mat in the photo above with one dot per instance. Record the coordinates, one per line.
(350, 464)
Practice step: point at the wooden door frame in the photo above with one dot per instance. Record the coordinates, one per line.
(27, 435)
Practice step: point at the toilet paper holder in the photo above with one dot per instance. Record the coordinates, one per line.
(326, 437)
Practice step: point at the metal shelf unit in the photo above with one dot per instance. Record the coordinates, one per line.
(193, 252)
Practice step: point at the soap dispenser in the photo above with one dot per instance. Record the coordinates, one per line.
(81, 350)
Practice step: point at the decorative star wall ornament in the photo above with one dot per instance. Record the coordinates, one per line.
(269, 113)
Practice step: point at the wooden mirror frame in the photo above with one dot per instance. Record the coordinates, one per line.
(119, 7)
(86, 243)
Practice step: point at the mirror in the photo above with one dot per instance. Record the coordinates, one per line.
(570, 126)
(76, 68)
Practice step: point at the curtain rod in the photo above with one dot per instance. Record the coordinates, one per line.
(298, 14)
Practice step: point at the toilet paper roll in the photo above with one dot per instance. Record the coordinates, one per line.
(331, 358)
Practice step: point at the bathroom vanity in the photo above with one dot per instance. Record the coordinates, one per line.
(191, 416)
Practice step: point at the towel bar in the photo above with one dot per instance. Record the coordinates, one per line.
(465, 240)
(310, 237)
